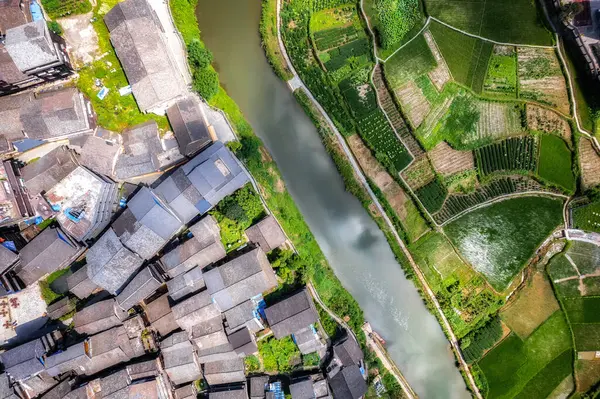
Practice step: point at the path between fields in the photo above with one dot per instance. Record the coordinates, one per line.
(453, 340)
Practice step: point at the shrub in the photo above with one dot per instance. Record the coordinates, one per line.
(198, 55)
(395, 18)
(206, 82)
(55, 27)
(278, 355)
(252, 363)
(312, 359)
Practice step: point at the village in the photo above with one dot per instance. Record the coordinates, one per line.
(117, 278)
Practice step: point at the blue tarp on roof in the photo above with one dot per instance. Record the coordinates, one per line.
(36, 11)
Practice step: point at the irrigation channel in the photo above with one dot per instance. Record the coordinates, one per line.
(350, 239)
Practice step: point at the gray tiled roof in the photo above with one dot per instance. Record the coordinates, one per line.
(232, 393)
(240, 279)
(242, 342)
(9, 72)
(55, 115)
(348, 383)
(79, 283)
(291, 314)
(224, 371)
(216, 174)
(177, 190)
(189, 126)
(302, 389)
(204, 248)
(136, 36)
(147, 224)
(110, 348)
(30, 45)
(12, 15)
(145, 369)
(10, 114)
(194, 310)
(99, 155)
(73, 358)
(59, 391)
(60, 308)
(185, 284)
(179, 359)
(7, 258)
(141, 146)
(144, 284)
(98, 317)
(267, 234)
(46, 172)
(23, 361)
(6, 392)
(239, 315)
(160, 316)
(258, 386)
(110, 264)
(49, 251)
(348, 352)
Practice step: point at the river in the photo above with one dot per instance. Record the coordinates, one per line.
(350, 239)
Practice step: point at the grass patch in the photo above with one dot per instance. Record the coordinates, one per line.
(410, 62)
(115, 112)
(65, 8)
(520, 23)
(551, 376)
(582, 310)
(514, 363)
(535, 303)
(587, 336)
(278, 355)
(499, 239)
(587, 217)
(555, 162)
(48, 294)
(501, 78)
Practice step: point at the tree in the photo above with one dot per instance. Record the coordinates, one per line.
(199, 56)
(206, 82)
(55, 27)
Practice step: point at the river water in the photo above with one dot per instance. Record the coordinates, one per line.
(351, 241)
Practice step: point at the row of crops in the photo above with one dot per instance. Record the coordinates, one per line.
(432, 195)
(340, 55)
(516, 153)
(377, 132)
(475, 343)
(360, 99)
(330, 38)
(457, 203)
(318, 5)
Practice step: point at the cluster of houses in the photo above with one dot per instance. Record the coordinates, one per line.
(151, 304)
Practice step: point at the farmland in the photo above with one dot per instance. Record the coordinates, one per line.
(498, 240)
(518, 153)
(533, 367)
(412, 61)
(432, 195)
(467, 57)
(587, 217)
(546, 121)
(589, 162)
(65, 8)
(519, 23)
(449, 161)
(455, 283)
(555, 162)
(501, 78)
(413, 102)
(541, 79)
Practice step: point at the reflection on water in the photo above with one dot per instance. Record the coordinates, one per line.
(352, 242)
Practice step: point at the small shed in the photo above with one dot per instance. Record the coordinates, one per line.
(267, 234)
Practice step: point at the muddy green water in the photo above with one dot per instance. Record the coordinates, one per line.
(352, 242)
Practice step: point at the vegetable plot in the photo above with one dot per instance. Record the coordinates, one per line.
(518, 153)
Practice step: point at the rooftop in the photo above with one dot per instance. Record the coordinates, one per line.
(141, 146)
(24, 361)
(49, 251)
(135, 33)
(240, 279)
(30, 45)
(147, 224)
(189, 125)
(110, 264)
(231, 393)
(267, 234)
(291, 314)
(144, 284)
(225, 371)
(194, 310)
(99, 154)
(98, 317)
(13, 14)
(43, 174)
(348, 383)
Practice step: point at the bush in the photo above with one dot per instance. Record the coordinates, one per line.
(199, 56)
(312, 359)
(252, 363)
(55, 27)
(278, 355)
(395, 18)
(206, 82)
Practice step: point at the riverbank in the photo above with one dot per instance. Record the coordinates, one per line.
(264, 170)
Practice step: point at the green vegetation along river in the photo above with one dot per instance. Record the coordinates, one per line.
(352, 242)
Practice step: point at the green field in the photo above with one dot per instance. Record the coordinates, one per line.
(530, 368)
(501, 78)
(455, 284)
(467, 57)
(66, 8)
(410, 62)
(582, 309)
(517, 21)
(587, 217)
(586, 256)
(587, 336)
(499, 239)
(554, 164)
